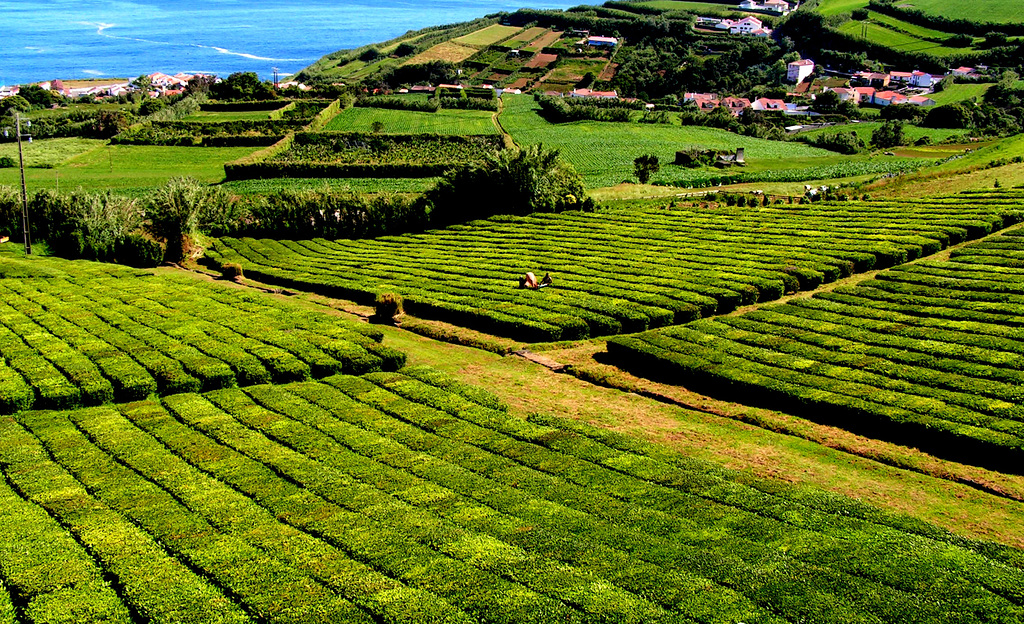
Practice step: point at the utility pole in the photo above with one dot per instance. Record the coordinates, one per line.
(24, 190)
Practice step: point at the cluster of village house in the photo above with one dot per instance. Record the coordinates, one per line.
(160, 85)
(877, 90)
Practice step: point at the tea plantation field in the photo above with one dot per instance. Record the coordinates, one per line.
(929, 354)
(389, 498)
(69, 340)
(623, 270)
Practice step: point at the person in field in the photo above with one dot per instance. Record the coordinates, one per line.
(530, 281)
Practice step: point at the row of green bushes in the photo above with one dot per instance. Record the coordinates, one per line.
(690, 267)
(187, 348)
(918, 356)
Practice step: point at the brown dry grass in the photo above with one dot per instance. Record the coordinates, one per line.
(448, 51)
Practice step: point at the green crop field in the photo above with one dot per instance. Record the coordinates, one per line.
(995, 11)
(880, 34)
(49, 152)
(487, 36)
(444, 121)
(959, 92)
(130, 168)
(69, 341)
(835, 7)
(208, 116)
(908, 27)
(618, 271)
(698, 7)
(603, 152)
(927, 353)
(386, 498)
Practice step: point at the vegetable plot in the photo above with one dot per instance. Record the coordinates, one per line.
(387, 498)
(930, 354)
(619, 271)
(87, 341)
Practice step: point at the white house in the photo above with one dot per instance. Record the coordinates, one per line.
(748, 26)
(921, 100)
(610, 42)
(922, 79)
(797, 71)
(780, 7)
(765, 104)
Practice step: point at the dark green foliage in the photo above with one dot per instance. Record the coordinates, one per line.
(842, 142)
(175, 212)
(242, 86)
(516, 182)
(6, 162)
(646, 166)
(151, 105)
(889, 134)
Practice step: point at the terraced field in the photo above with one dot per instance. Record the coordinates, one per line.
(69, 340)
(387, 498)
(620, 271)
(929, 354)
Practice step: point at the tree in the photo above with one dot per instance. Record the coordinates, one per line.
(377, 127)
(242, 86)
(827, 102)
(200, 84)
(175, 213)
(889, 134)
(516, 181)
(151, 105)
(14, 103)
(646, 166)
(144, 83)
(405, 49)
(38, 96)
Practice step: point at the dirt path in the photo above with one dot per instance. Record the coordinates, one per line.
(495, 119)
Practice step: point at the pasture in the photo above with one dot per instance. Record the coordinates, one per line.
(881, 34)
(488, 35)
(129, 169)
(603, 152)
(993, 11)
(50, 152)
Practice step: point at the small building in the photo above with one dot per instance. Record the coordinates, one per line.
(874, 79)
(736, 105)
(964, 71)
(921, 100)
(589, 93)
(766, 104)
(889, 98)
(725, 24)
(798, 71)
(900, 76)
(708, 22)
(922, 79)
(865, 95)
(608, 42)
(747, 26)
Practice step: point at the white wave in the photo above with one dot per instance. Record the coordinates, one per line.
(248, 56)
(93, 72)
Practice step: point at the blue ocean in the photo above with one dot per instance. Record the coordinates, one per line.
(70, 39)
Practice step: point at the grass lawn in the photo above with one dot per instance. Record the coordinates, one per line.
(573, 70)
(130, 168)
(835, 7)
(696, 7)
(603, 152)
(997, 11)
(909, 28)
(960, 92)
(444, 121)
(50, 152)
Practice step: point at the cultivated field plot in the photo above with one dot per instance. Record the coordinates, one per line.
(880, 33)
(488, 36)
(443, 121)
(603, 151)
(385, 498)
(72, 341)
(448, 51)
(995, 11)
(415, 149)
(931, 352)
(618, 271)
(543, 41)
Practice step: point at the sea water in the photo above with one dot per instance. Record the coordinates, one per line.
(74, 39)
